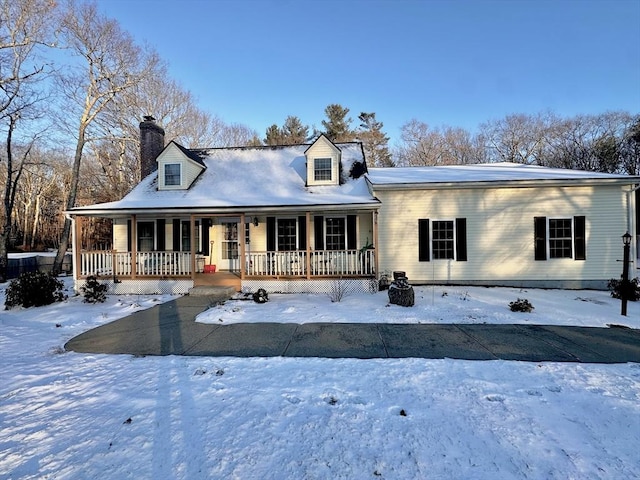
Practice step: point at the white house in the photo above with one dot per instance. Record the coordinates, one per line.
(304, 217)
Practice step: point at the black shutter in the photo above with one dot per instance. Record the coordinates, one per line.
(176, 235)
(318, 231)
(302, 232)
(540, 237)
(351, 232)
(423, 240)
(271, 234)
(160, 222)
(129, 235)
(205, 236)
(461, 239)
(579, 238)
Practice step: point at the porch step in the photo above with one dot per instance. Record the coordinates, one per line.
(218, 293)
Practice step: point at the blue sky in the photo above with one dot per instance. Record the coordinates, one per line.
(457, 62)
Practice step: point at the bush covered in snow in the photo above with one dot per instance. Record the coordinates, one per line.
(34, 289)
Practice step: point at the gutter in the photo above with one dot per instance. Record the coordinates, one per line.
(207, 211)
(503, 183)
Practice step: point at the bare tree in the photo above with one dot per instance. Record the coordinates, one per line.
(517, 138)
(589, 142)
(422, 145)
(110, 63)
(24, 27)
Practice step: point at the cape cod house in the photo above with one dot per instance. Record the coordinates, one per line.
(302, 218)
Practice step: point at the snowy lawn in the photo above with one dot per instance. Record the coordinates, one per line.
(438, 304)
(79, 416)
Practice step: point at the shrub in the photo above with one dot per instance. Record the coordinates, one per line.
(34, 289)
(521, 305)
(616, 287)
(337, 291)
(93, 291)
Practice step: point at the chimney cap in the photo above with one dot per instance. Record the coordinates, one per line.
(148, 118)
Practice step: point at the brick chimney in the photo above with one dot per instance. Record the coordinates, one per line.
(151, 144)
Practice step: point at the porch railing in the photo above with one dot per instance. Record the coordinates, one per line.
(163, 264)
(323, 263)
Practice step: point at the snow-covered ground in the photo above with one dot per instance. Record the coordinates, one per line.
(79, 416)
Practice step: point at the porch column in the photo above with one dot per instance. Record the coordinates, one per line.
(192, 246)
(77, 247)
(242, 239)
(308, 244)
(376, 248)
(134, 246)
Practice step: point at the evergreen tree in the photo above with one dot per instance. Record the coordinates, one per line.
(294, 132)
(374, 141)
(337, 127)
(273, 135)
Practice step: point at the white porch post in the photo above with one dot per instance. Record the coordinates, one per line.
(376, 248)
(134, 246)
(308, 244)
(241, 240)
(75, 258)
(192, 246)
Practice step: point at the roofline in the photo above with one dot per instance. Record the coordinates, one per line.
(268, 147)
(459, 185)
(206, 211)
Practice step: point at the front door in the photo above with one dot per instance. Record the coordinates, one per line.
(229, 244)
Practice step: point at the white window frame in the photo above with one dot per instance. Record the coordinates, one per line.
(317, 180)
(571, 239)
(164, 173)
(432, 239)
(326, 232)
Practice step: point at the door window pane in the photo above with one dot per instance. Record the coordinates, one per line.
(336, 238)
(287, 234)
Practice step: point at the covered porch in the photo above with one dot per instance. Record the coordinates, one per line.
(234, 250)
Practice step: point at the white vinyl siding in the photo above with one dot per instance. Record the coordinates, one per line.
(500, 237)
(189, 170)
(320, 150)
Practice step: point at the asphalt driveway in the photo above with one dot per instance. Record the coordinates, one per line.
(170, 329)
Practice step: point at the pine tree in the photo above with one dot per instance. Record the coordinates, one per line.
(374, 141)
(294, 132)
(273, 135)
(337, 127)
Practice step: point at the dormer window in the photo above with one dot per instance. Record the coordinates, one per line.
(323, 163)
(322, 169)
(172, 175)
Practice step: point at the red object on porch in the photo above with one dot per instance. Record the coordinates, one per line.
(209, 269)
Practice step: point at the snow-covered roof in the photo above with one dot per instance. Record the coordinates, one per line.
(245, 178)
(493, 173)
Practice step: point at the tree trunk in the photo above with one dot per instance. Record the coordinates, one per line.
(4, 254)
(71, 201)
(36, 221)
